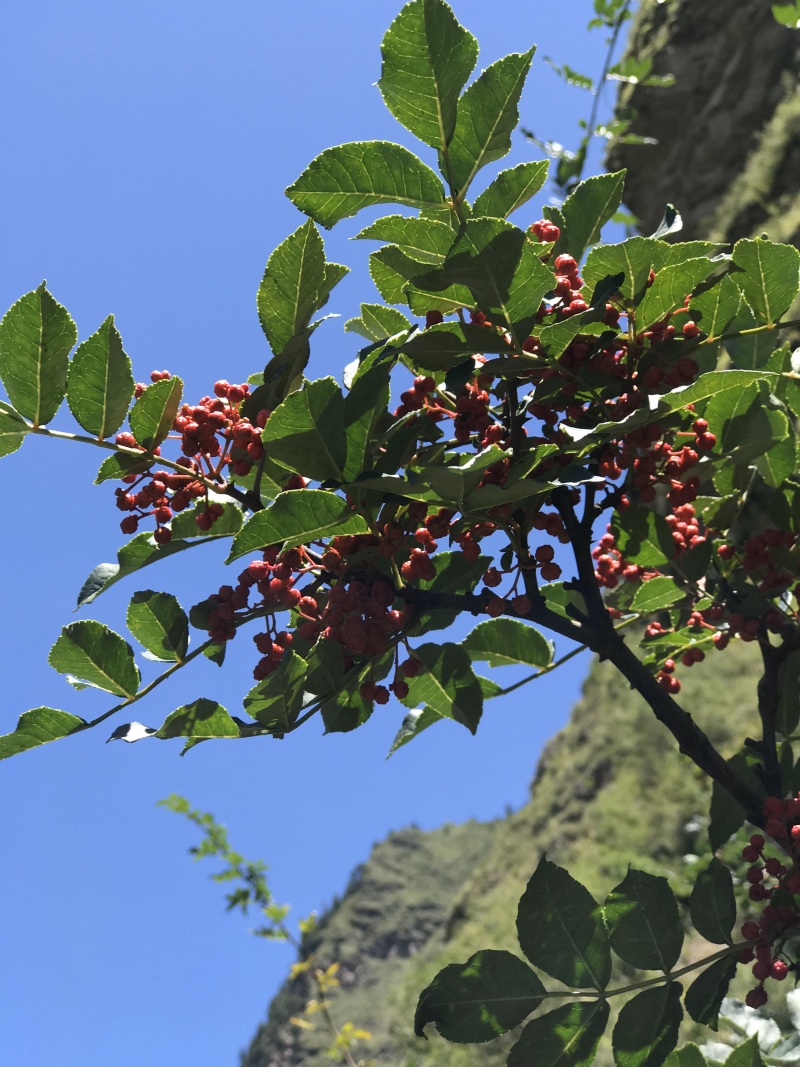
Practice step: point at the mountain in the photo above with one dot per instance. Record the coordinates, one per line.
(728, 130)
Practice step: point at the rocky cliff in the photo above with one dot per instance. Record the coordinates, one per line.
(728, 131)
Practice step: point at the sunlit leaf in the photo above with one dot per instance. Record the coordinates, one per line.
(343, 180)
(36, 335)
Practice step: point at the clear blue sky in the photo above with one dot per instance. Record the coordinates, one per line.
(146, 148)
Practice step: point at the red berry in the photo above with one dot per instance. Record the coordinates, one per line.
(756, 998)
(565, 265)
(750, 931)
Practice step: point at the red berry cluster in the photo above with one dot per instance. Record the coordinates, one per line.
(214, 435)
(545, 231)
(767, 876)
(159, 494)
(765, 557)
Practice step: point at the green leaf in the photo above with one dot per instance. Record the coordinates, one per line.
(644, 927)
(422, 240)
(364, 410)
(746, 425)
(712, 905)
(228, 523)
(566, 1037)
(643, 536)
(448, 684)
(159, 623)
(688, 1055)
(504, 641)
(119, 464)
(726, 816)
(647, 1027)
(669, 290)
(36, 335)
(412, 726)
(511, 189)
(377, 322)
(788, 714)
(779, 460)
(666, 255)
(715, 309)
(343, 180)
(705, 995)
(297, 517)
(769, 276)
(38, 727)
(306, 433)
(284, 373)
(556, 339)
(12, 430)
(345, 711)
(100, 382)
(97, 656)
(478, 1000)
(745, 1055)
(393, 273)
(441, 347)
(276, 700)
(500, 267)
(745, 349)
(153, 414)
(487, 115)
(427, 58)
(142, 550)
(201, 719)
(561, 930)
(586, 210)
(453, 482)
(292, 287)
(634, 258)
(787, 14)
(657, 594)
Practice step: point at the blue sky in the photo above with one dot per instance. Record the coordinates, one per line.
(146, 149)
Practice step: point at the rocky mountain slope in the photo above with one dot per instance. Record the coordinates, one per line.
(728, 131)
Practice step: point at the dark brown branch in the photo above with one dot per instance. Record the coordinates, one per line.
(599, 634)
